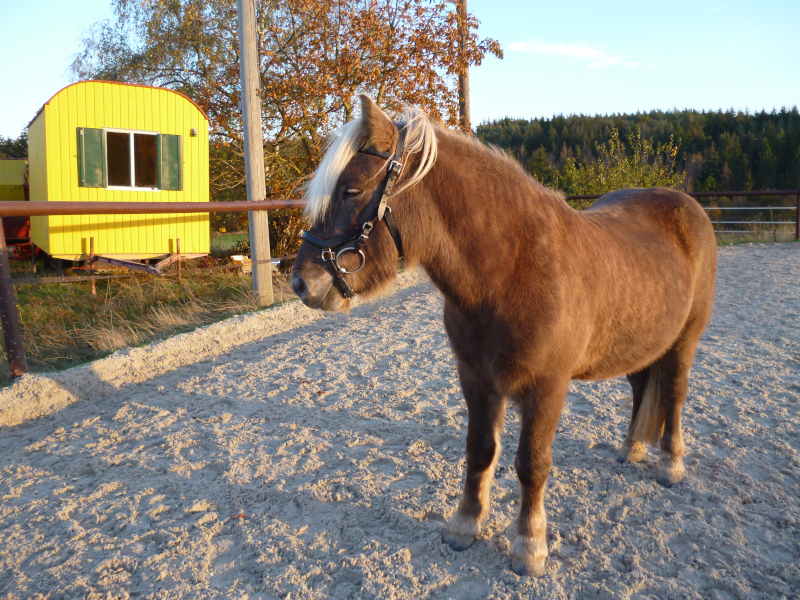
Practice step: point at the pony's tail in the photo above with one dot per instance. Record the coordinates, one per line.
(649, 425)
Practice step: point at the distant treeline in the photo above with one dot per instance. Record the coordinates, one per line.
(717, 150)
(14, 148)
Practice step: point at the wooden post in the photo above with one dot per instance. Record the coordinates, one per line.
(9, 315)
(254, 151)
(178, 248)
(91, 264)
(463, 76)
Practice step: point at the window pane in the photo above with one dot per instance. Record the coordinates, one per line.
(118, 150)
(145, 156)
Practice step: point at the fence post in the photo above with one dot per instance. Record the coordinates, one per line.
(254, 151)
(797, 219)
(463, 78)
(9, 315)
(91, 264)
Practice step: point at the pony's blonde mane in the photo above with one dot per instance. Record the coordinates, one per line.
(345, 143)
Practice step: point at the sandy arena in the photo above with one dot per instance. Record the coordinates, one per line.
(293, 455)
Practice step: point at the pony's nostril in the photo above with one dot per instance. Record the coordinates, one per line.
(299, 287)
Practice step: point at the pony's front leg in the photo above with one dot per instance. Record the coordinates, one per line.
(539, 413)
(486, 411)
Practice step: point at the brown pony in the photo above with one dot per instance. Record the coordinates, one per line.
(536, 293)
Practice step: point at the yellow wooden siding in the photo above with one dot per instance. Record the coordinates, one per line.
(100, 105)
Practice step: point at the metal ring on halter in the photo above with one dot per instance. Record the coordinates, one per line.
(344, 271)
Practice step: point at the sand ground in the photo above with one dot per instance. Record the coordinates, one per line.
(289, 454)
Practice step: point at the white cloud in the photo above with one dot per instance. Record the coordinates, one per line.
(595, 57)
(559, 48)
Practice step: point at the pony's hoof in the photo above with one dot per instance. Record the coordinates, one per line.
(670, 471)
(458, 542)
(461, 531)
(528, 555)
(634, 452)
(527, 569)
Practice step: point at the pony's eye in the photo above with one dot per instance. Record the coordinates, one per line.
(352, 193)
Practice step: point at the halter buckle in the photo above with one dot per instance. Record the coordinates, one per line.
(395, 168)
(366, 229)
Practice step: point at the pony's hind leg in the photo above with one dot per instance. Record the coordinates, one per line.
(658, 419)
(632, 450)
(539, 414)
(675, 367)
(486, 411)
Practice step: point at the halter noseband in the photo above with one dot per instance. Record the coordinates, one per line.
(383, 213)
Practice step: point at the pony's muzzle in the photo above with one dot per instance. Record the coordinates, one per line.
(299, 287)
(312, 286)
(305, 291)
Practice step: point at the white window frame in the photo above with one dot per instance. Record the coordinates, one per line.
(130, 188)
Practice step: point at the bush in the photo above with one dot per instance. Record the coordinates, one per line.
(284, 234)
(615, 167)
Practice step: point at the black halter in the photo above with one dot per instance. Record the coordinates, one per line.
(360, 236)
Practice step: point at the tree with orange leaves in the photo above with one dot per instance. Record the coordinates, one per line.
(315, 56)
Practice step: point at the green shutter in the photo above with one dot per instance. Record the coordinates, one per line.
(170, 162)
(91, 158)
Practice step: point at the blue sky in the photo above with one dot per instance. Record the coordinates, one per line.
(561, 57)
(617, 56)
(38, 40)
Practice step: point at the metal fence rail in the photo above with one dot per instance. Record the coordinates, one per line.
(721, 222)
(33, 209)
(745, 193)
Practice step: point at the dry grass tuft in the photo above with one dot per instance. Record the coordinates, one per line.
(64, 325)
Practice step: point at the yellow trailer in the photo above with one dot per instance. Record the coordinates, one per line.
(100, 141)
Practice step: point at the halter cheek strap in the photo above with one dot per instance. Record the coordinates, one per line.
(383, 213)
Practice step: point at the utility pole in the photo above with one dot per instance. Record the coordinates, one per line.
(463, 75)
(254, 152)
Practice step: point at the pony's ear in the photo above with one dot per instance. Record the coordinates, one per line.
(380, 132)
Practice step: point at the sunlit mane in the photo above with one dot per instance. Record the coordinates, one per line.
(346, 141)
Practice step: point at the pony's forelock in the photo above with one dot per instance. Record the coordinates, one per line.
(345, 143)
(342, 147)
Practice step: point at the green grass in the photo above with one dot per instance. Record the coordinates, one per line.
(222, 243)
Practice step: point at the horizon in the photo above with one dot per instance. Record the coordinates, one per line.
(794, 108)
